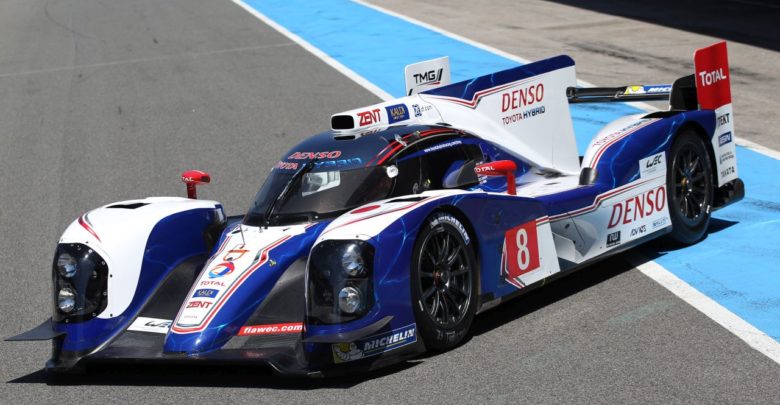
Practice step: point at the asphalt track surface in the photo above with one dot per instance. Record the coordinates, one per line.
(104, 101)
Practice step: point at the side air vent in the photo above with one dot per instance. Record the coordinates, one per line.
(128, 206)
(407, 199)
(588, 176)
(683, 95)
(342, 122)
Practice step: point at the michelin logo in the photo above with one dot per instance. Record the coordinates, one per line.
(374, 345)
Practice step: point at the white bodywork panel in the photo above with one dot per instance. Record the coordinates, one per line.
(529, 118)
(427, 75)
(242, 252)
(119, 235)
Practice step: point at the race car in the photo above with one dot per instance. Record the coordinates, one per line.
(384, 236)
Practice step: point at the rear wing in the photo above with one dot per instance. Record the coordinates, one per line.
(625, 93)
(690, 92)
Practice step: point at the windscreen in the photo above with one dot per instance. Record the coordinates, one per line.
(293, 196)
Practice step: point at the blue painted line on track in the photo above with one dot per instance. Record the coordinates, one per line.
(736, 265)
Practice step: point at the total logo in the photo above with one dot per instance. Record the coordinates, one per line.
(712, 77)
(222, 269)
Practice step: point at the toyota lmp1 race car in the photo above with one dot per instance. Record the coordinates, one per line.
(384, 236)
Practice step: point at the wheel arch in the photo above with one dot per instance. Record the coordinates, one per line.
(699, 130)
(463, 218)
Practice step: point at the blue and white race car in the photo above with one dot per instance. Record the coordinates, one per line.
(384, 236)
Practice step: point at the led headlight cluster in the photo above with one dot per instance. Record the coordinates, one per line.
(80, 283)
(340, 287)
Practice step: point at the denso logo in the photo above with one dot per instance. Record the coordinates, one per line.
(522, 97)
(430, 77)
(315, 155)
(644, 205)
(369, 117)
(712, 77)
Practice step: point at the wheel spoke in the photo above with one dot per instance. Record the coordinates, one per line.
(445, 307)
(694, 165)
(436, 304)
(462, 270)
(454, 256)
(459, 291)
(427, 294)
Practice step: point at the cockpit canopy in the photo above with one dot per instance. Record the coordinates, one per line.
(331, 173)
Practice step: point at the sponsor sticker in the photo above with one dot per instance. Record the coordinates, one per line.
(374, 345)
(271, 329)
(635, 208)
(640, 230)
(726, 156)
(652, 166)
(222, 269)
(442, 146)
(723, 119)
(613, 239)
(205, 293)
(396, 113)
(724, 138)
(153, 325)
(369, 117)
(660, 223)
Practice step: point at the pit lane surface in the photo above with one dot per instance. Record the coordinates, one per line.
(107, 101)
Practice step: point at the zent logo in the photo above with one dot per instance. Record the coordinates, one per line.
(198, 304)
(521, 250)
(222, 269)
(369, 117)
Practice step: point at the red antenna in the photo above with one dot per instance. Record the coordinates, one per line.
(500, 168)
(192, 178)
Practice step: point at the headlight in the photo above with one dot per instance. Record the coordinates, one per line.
(66, 265)
(80, 278)
(66, 300)
(339, 281)
(349, 300)
(352, 261)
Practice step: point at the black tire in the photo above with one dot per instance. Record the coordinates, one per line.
(444, 292)
(689, 183)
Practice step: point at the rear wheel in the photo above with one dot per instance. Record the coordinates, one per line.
(444, 281)
(690, 184)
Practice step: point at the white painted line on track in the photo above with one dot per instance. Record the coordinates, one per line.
(318, 53)
(733, 323)
(639, 105)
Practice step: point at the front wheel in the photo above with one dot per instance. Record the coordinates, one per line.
(690, 184)
(444, 281)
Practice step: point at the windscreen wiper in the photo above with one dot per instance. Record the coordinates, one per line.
(287, 187)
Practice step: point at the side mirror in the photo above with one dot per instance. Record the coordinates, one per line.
(192, 178)
(505, 168)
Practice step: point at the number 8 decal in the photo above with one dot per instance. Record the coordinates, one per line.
(521, 251)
